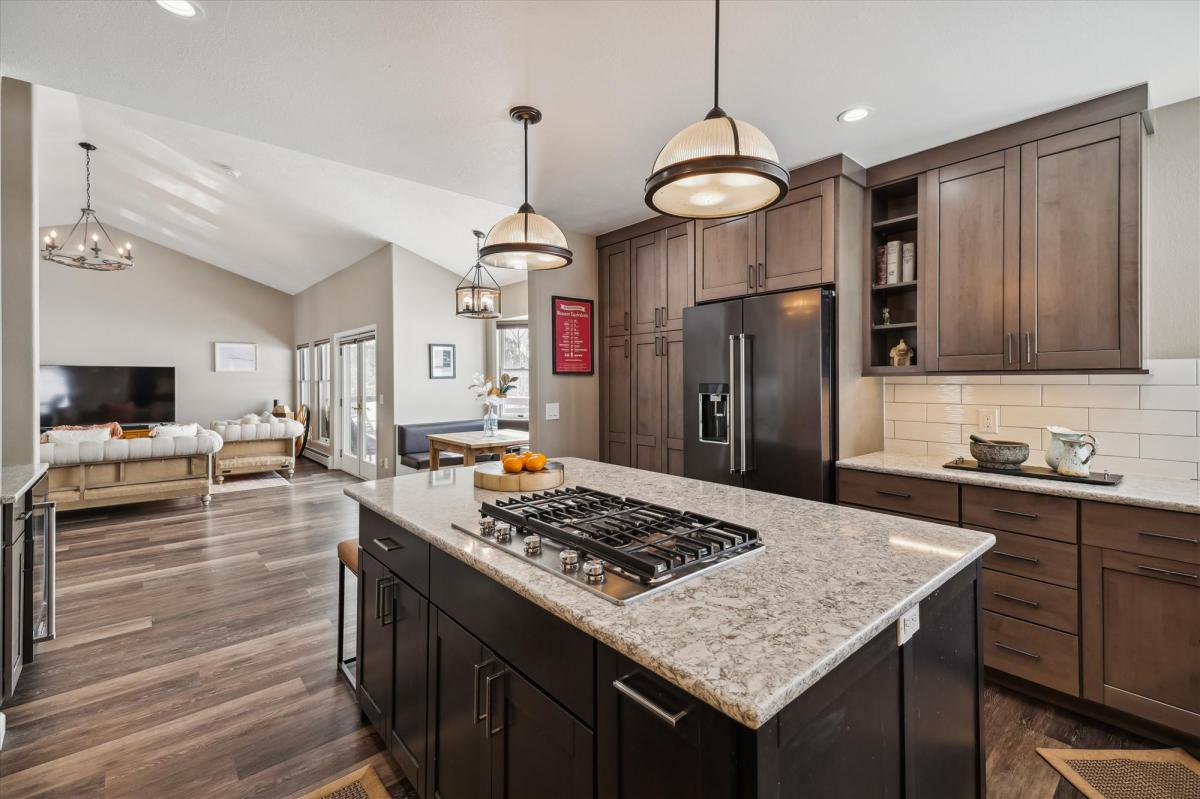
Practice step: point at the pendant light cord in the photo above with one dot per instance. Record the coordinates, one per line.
(717, 55)
(525, 125)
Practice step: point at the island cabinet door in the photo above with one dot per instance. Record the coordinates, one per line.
(537, 749)
(410, 650)
(655, 741)
(374, 669)
(458, 758)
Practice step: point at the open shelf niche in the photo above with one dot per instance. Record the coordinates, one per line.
(894, 217)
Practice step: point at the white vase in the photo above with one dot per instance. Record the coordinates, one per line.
(1058, 438)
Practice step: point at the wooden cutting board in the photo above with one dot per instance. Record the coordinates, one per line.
(491, 475)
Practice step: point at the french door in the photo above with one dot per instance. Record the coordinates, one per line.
(358, 401)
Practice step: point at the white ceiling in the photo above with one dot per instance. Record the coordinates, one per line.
(419, 91)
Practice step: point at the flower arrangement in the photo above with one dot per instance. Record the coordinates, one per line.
(492, 393)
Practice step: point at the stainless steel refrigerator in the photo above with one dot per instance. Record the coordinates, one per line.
(759, 393)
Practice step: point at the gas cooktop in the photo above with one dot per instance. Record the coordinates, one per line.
(620, 548)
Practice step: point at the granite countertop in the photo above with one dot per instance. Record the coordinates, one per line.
(16, 480)
(1146, 492)
(746, 639)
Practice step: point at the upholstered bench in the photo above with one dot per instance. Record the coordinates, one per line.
(412, 442)
(262, 446)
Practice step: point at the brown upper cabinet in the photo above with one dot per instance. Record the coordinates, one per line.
(614, 289)
(786, 246)
(660, 268)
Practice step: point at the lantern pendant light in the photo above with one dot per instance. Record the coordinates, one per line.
(718, 167)
(525, 240)
(475, 298)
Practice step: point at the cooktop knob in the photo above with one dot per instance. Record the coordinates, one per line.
(503, 533)
(487, 526)
(593, 570)
(533, 545)
(569, 559)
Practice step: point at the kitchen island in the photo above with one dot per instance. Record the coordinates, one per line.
(781, 669)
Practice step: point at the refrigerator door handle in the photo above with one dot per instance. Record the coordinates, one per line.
(746, 463)
(733, 408)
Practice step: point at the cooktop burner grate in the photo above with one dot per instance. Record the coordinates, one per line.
(646, 542)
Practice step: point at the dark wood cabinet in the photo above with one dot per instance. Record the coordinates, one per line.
(410, 649)
(1079, 248)
(614, 289)
(459, 669)
(647, 408)
(794, 240)
(725, 257)
(673, 398)
(972, 271)
(12, 648)
(616, 381)
(646, 283)
(374, 667)
(679, 271)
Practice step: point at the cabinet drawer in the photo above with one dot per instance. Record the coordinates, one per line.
(1026, 556)
(1031, 600)
(1019, 512)
(1031, 652)
(931, 499)
(1146, 531)
(405, 555)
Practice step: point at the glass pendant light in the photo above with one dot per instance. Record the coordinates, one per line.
(526, 239)
(717, 167)
(478, 293)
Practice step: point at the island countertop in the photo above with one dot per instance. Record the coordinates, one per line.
(746, 639)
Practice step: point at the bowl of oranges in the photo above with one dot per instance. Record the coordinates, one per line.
(524, 471)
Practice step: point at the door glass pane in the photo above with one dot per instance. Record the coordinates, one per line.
(350, 399)
(370, 400)
(513, 356)
(323, 391)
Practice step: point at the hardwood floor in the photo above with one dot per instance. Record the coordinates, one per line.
(195, 659)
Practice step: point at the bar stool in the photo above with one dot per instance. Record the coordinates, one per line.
(347, 560)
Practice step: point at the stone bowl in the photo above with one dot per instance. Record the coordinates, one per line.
(1006, 455)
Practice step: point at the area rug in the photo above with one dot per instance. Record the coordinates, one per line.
(249, 482)
(1128, 773)
(361, 784)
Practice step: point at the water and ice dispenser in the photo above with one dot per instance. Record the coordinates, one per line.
(714, 412)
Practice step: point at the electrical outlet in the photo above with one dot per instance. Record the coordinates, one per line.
(907, 625)
(551, 411)
(989, 420)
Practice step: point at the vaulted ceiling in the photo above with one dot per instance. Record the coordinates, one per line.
(395, 113)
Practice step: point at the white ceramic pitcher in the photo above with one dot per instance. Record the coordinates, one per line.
(1058, 437)
(1075, 456)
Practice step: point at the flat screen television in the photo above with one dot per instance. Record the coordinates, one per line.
(130, 395)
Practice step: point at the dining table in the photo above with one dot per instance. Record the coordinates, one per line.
(473, 443)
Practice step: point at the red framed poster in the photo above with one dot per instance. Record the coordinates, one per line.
(572, 335)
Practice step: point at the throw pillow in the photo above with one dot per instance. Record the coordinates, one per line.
(55, 436)
(175, 430)
(250, 418)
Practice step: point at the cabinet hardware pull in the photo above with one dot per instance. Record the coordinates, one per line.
(1015, 556)
(388, 544)
(475, 702)
(1012, 598)
(1022, 514)
(750, 280)
(1033, 655)
(672, 719)
(626, 349)
(656, 310)
(762, 276)
(487, 701)
(1028, 347)
(899, 494)
(378, 597)
(664, 316)
(627, 321)
(1165, 537)
(1169, 573)
(387, 600)
(1008, 346)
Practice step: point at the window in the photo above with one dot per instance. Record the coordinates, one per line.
(321, 369)
(303, 376)
(512, 356)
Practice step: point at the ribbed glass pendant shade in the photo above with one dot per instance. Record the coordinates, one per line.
(525, 240)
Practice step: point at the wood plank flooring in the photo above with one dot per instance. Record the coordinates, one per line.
(195, 659)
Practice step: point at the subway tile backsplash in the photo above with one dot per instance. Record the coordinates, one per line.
(1146, 425)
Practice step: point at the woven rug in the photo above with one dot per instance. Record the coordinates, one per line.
(249, 482)
(1128, 773)
(361, 784)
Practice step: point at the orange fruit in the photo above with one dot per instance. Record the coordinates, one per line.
(526, 455)
(535, 462)
(512, 463)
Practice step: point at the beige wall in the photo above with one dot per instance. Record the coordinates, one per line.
(167, 311)
(1171, 224)
(576, 432)
(358, 296)
(423, 302)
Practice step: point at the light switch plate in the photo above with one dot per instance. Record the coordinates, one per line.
(551, 411)
(907, 625)
(989, 420)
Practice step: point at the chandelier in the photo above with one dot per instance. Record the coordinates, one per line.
(87, 254)
(474, 298)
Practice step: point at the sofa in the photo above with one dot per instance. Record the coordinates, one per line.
(119, 471)
(264, 445)
(412, 446)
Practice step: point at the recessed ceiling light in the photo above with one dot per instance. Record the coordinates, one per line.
(855, 114)
(180, 8)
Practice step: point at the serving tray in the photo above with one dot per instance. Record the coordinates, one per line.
(1038, 472)
(491, 475)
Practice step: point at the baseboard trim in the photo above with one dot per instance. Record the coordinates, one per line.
(317, 457)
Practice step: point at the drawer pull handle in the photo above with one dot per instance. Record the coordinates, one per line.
(1022, 514)
(899, 494)
(1014, 556)
(672, 719)
(1007, 648)
(1031, 603)
(1169, 573)
(1165, 537)
(388, 544)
